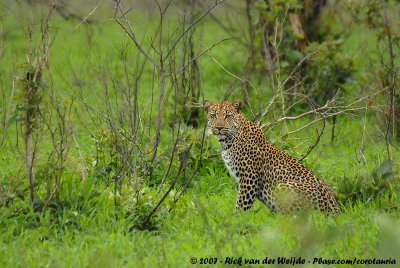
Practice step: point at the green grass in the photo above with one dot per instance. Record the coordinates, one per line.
(91, 232)
(90, 226)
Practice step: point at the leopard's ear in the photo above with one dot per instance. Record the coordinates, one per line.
(207, 105)
(237, 104)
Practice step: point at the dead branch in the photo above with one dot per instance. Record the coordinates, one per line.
(193, 24)
(61, 8)
(90, 109)
(86, 18)
(320, 110)
(330, 109)
(130, 32)
(316, 142)
(183, 161)
(279, 91)
(199, 165)
(231, 29)
(199, 55)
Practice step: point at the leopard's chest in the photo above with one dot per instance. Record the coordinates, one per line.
(230, 164)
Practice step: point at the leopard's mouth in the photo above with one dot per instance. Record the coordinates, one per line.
(219, 132)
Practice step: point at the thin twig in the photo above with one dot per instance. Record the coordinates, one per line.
(191, 26)
(181, 166)
(129, 31)
(90, 14)
(199, 55)
(317, 141)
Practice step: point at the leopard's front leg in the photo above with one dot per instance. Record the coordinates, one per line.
(247, 193)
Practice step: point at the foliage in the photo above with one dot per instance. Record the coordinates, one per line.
(328, 71)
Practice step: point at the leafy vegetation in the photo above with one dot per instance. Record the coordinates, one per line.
(105, 160)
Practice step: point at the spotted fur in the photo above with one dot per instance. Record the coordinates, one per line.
(263, 171)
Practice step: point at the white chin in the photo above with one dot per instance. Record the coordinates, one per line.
(220, 136)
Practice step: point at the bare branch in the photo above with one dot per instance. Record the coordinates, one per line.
(85, 19)
(316, 142)
(199, 55)
(331, 108)
(130, 32)
(191, 26)
(183, 161)
(279, 90)
(327, 107)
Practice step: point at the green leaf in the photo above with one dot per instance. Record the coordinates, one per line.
(255, 16)
(386, 169)
(15, 118)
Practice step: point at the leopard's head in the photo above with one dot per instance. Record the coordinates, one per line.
(223, 118)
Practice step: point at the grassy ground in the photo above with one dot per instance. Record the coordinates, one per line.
(86, 229)
(204, 224)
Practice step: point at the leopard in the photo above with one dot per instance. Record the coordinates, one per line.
(264, 172)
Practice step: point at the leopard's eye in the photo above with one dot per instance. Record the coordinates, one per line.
(212, 114)
(229, 114)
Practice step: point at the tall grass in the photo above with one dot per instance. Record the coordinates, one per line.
(109, 184)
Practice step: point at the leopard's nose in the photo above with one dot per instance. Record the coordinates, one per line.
(219, 128)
